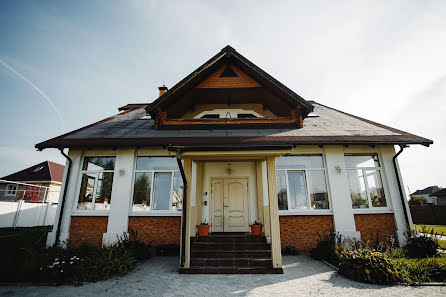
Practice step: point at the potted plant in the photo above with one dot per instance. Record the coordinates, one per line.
(203, 229)
(256, 228)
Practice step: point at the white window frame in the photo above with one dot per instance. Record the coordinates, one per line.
(371, 208)
(8, 190)
(152, 212)
(96, 174)
(308, 185)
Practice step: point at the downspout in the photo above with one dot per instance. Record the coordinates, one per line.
(64, 194)
(400, 188)
(184, 209)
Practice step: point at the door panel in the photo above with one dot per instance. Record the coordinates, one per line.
(236, 205)
(217, 205)
(229, 199)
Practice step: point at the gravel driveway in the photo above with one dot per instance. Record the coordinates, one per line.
(302, 276)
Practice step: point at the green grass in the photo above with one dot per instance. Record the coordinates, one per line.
(442, 244)
(437, 228)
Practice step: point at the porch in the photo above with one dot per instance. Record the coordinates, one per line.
(230, 190)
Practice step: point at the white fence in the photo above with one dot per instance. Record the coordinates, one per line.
(30, 209)
(24, 214)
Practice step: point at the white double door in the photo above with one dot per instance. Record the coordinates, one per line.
(229, 200)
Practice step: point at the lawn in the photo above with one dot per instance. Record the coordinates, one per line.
(437, 228)
(442, 244)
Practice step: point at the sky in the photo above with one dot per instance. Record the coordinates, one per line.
(66, 64)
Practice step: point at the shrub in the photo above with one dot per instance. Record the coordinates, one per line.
(417, 200)
(368, 266)
(327, 247)
(423, 245)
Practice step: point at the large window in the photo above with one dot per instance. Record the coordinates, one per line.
(158, 185)
(364, 175)
(301, 183)
(96, 183)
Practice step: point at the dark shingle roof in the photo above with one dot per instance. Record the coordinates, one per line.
(428, 190)
(329, 127)
(43, 172)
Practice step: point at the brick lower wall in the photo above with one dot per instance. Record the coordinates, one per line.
(373, 225)
(301, 231)
(157, 230)
(87, 230)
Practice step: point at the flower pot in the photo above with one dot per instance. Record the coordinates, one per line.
(203, 230)
(256, 230)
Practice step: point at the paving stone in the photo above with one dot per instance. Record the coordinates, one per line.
(302, 276)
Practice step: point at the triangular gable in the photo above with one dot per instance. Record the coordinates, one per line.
(241, 80)
(228, 54)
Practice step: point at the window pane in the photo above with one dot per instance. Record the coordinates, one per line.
(103, 191)
(361, 161)
(156, 163)
(376, 190)
(99, 163)
(86, 193)
(177, 193)
(296, 162)
(318, 189)
(281, 190)
(161, 198)
(142, 188)
(357, 189)
(296, 185)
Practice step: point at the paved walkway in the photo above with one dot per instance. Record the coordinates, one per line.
(158, 277)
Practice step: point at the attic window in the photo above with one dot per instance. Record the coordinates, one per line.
(228, 72)
(210, 116)
(246, 116)
(38, 168)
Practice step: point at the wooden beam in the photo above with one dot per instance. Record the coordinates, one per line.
(259, 183)
(188, 172)
(276, 253)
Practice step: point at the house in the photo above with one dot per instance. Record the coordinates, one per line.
(426, 193)
(229, 145)
(40, 182)
(439, 196)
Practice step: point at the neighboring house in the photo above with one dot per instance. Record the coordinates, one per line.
(440, 196)
(250, 149)
(426, 193)
(33, 184)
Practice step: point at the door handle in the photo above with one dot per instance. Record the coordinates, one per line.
(226, 205)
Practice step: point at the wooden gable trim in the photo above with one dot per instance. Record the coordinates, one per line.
(241, 81)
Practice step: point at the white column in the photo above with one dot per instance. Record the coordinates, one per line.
(70, 197)
(118, 216)
(387, 154)
(341, 203)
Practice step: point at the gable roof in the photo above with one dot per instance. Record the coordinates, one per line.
(331, 126)
(428, 190)
(46, 171)
(441, 192)
(218, 60)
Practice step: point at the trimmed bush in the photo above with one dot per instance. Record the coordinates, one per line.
(421, 245)
(369, 267)
(327, 247)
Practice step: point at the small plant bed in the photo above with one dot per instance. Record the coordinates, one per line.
(34, 263)
(419, 261)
